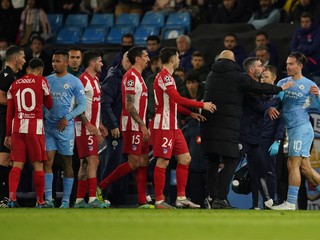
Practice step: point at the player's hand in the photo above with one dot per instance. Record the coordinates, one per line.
(198, 116)
(100, 139)
(7, 142)
(209, 106)
(62, 124)
(92, 129)
(273, 113)
(314, 90)
(103, 130)
(287, 85)
(115, 133)
(145, 134)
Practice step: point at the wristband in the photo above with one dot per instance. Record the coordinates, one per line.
(87, 123)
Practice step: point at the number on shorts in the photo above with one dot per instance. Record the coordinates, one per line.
(297, 145)
(167, 143)
(135, 139)
(21, 99)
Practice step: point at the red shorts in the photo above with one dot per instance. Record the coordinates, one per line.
(169, 142)
(31, 145)
(133, 143)
(87, 145)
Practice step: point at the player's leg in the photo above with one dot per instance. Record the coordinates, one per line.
(159, 176)
(14, 178)
(312, 175)
(141, 180)
(82, 184)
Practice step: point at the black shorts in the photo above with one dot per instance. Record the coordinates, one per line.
(3, 148)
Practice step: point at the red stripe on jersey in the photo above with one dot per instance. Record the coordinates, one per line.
(133, 83)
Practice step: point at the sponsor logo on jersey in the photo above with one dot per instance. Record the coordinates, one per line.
(96, 99)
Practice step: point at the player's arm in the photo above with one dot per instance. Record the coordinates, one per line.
(175, 96)
(314, 90)
(187, 112)
(134, 114)
(47, 99)
(9, 117)
(3, 98)
(91, 128)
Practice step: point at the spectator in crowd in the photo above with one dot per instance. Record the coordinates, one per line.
(111, 105)
(59, 125)
(168, 139)
(153, 45)
(231, 11)
(153, 67)
(199, 67)
(133, 6)
(262, 39)
(67, 7)
(220, 134)
(262, 52)
(185, 52)
(75, 61)
(4, 44)
(126, 43)
(37, 51)
(180, 73)
(231, 43)
(306, 40)
(310, 6)
(15, 59)
(295, 106)
(9, 21)
(133, 125)
(267, 14)
(89, 132)
(28, 141)
(33, 21)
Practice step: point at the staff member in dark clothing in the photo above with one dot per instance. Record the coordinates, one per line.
(225, 86)
(15, 59)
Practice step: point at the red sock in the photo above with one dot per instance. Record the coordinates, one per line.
(14, 177)
(120, 171)
(159, 176)
(38, 180)
(82, 188)
(141, 179)
(182, 178)
(92, 183)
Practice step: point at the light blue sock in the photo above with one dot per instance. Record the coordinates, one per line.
(48, 178)
(292, 194)
(317, 188)
(67, 188)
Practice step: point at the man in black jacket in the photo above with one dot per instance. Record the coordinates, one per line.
(225, 86)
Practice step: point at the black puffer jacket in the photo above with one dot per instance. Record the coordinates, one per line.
(225, 87)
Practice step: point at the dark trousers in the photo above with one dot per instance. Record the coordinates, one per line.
(196, 187)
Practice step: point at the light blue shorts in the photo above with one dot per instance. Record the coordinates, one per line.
(300, 140)
(62, 142)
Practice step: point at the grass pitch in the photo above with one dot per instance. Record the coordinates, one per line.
(154, 224)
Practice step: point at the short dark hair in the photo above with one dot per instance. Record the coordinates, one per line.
(13, 50)
(248, 62)
(153, 38)
(166, 53)
(231, 35)
(62, 52)
(134, 52)
(261, 48)
(307, 15)
(3, 39)
(301, 58)
(35, 63)
(197, 54)
(128, 35)
(38, 38)
(74, 48)
(262, 33)
(271, 69)
(192, 77)
(90, 55)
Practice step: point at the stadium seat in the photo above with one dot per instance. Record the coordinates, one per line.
(116, 33)
(127, 19)
(141, 34)
(92, 35)
(153, 19)
(102, 20)
(78, 20)
(179, 19)
(171, 32)
(56, 21)
(68, 35)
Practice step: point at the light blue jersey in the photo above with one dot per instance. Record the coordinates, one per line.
(296, 102)
(68, 97)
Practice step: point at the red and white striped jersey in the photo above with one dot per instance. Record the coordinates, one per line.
(166, 109)
(26, 97)
(92, 92)
(133, 83)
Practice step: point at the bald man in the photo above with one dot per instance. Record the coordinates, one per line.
(225, 86)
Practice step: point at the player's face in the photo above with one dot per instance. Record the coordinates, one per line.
(59, 63)
(144, 59)
(126, 64)
(197, 62)
(20, 60)
(293, 66)
(75, 58)
(175, 61)
(267, 77)
(98, 65)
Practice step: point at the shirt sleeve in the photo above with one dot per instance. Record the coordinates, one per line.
(80, 98)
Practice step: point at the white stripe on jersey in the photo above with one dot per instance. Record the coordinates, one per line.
(24, 124)
(39, 127)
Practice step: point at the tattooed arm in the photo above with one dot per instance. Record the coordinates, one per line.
(91, 128)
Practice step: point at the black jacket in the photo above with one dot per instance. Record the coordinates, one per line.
(225, 87)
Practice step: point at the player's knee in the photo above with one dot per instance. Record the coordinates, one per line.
(185, 160)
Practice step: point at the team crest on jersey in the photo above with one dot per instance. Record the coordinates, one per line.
(134, 147)
(20, 115)
(130, 83)
(90, 148)
(301, 87)
(167, 78)
(165, 150)
(66, 86)
(114, 143)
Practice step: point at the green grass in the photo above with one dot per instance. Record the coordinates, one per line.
(153, 224)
